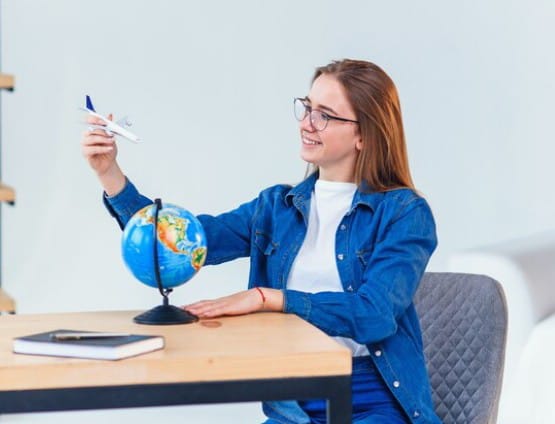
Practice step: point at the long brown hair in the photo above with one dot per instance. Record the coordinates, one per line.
(382, 162)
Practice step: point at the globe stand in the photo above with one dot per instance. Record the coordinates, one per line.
(164, 314)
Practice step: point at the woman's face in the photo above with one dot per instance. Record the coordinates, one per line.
(334, 150)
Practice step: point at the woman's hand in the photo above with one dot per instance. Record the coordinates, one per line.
(240, 303)
(98, 147)
(100, 150)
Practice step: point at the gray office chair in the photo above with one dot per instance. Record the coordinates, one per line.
(464, 326)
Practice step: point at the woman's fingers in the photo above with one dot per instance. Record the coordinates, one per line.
(237, 304)
(97, 150)
(97, 137)
(213, 313)
(200, 307)
(95, 120)
(197, 305)
(97, 143)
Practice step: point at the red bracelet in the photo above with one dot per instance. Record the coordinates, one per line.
(261, 294)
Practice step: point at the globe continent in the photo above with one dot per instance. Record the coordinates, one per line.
(181, 244)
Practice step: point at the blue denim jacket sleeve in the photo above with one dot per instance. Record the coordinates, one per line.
(228, 234)
(123, 205)
(390, 279)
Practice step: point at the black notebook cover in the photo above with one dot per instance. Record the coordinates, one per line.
(100, 348)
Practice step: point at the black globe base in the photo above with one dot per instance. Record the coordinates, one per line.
(165, 315)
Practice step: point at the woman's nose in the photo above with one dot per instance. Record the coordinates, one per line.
(306, 123)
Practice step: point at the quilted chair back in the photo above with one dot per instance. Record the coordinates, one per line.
(464, 325)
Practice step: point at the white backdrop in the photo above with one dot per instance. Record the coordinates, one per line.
(209, 87)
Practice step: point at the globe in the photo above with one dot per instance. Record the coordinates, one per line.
(181, 245)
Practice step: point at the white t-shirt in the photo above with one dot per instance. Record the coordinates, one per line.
(314, 269)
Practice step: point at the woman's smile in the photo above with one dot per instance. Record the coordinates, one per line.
(309, 140)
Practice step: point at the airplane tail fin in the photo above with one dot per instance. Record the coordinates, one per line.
(89, 104)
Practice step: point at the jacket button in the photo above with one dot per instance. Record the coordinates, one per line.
(350, 288)
(396, 384)
(340, 256)
(416, 414)
(378, 353)
(343, 227)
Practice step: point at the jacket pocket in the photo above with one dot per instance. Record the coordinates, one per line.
(364, 255)
(264, 243)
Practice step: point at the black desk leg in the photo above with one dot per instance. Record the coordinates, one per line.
(339, 407)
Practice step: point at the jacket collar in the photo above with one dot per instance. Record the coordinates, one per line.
(366, 196)
(300, 195)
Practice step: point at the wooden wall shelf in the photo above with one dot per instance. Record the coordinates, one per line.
(7, 194)
(7, 81)
(7, 304)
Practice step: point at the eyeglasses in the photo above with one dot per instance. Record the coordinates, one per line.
(318, 119)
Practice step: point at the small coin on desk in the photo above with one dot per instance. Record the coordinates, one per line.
(211, 324)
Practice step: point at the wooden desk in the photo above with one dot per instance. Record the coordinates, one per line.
(265, 356)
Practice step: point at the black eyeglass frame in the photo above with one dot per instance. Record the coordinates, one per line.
(327, 117)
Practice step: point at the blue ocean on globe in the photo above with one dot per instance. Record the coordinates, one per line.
(181, 245)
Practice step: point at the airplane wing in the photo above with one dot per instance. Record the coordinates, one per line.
(124, 122)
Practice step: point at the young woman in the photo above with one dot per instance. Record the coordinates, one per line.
(345, 249)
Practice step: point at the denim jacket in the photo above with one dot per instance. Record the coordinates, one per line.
(383, 244)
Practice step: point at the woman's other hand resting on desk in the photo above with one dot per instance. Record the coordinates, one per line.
(245, 302)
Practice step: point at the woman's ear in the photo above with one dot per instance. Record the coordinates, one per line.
(358, 143)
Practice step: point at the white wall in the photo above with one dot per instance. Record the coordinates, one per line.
(209, 86)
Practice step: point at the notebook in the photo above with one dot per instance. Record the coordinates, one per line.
(91, 345)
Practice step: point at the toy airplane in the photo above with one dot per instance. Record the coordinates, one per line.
(118, 127)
